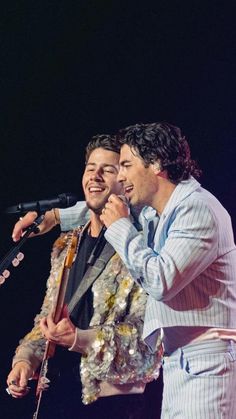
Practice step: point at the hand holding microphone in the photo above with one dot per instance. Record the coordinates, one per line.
(116, 207)
(105, 216)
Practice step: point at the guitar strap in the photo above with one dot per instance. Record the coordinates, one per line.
(91, 275)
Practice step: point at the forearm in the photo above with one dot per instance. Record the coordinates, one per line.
(73, 217)
(29, 356)
(167, 270)
(32, 346)
(69, 218)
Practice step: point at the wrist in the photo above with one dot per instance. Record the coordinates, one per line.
(56, 216)
(25, 364)
(83, 340)
(76, 345)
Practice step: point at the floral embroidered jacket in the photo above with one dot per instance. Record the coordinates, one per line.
(118, 357)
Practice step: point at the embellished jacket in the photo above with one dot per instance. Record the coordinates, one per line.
(118, 361)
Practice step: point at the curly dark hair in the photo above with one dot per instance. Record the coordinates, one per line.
(106, 141)
(161, 142)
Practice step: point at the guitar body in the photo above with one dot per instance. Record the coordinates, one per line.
(43, 381)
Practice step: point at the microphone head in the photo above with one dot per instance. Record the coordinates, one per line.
(63, 200)
(67, 200)
(124, 199)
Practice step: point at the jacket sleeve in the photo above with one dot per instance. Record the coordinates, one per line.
(184, 249)
(31, 347)
(72, 217)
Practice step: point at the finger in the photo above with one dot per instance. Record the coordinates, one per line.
(16, 388)
(43, 326)
(12, 393)
(117, 201)
(50, 322)
(17, 392)
(48, 328)
(17, 231)
(12, 381)
(23, 381)
(43, 322)
(112, 198)
(102, 219)
(116, 198)
(23, 223)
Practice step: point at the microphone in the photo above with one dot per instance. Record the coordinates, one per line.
(63, 200)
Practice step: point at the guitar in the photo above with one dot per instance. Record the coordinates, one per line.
(43, 381)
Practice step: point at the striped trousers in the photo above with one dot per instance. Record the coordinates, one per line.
(200, 381)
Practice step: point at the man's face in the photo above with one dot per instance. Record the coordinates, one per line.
(100, 178)
(139, 182)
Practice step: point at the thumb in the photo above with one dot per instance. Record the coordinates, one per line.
(23, 380)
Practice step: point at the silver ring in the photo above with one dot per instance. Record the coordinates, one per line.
(13, 383)
(8, 391)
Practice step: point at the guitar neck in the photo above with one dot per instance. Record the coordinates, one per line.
(62, 279)
(60, 300)
(59, 304)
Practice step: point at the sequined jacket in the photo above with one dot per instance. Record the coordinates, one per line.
(118, 361)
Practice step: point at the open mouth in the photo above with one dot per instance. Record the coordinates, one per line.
(95, 189)
(128, 189)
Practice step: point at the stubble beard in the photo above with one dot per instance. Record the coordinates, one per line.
(97, 209)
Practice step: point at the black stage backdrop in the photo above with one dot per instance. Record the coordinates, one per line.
(72, 69)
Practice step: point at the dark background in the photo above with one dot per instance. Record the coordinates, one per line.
(72, 69)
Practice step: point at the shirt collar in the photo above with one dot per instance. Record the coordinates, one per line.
(182, 190)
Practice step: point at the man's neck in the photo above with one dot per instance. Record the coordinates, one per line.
(165, 191)
(95, 224)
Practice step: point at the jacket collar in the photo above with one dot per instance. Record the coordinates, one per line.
(181, 192)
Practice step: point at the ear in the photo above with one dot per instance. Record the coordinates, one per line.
(156, 167)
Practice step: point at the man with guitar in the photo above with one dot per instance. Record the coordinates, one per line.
(88, 335)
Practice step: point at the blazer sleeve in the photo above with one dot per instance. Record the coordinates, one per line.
(74, 216)
(185, 247)
(31, 347)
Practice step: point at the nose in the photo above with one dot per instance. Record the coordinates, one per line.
(121, 176)
(96, 175)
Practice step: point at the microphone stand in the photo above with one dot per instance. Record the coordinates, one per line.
(12, 254)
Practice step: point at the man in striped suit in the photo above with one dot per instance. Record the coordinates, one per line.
(185, 259)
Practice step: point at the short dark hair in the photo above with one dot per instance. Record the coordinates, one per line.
(161, 142)
(106, 141)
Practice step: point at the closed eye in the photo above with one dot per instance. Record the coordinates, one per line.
(109, 171)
